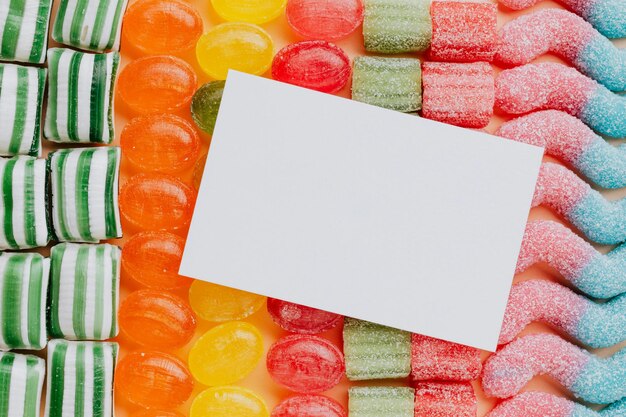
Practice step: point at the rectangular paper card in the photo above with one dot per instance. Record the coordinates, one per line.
(361, 211)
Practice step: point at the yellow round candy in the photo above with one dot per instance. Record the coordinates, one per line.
(251, 11)
(240, 46)
(228, 402)
(226, 354)
(213, 302)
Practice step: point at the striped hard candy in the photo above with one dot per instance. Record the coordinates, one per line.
(21, 381)
(24, 28)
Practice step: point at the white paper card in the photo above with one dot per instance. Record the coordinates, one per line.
(361, 211)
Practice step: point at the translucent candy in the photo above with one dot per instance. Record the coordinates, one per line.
(305, 364)
(226, 354)
(228, 402)
(216, 303)
(381, 401)
(239, 46)
(323, 19)
(445, 399)
(198, 170)
(251, 11)
(309, 406)
(156, 413)
(205, 104)
(301, 319)
(444, 361)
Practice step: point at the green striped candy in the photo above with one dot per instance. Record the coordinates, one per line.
(24, 221)
(24, 30)
(84, 291)
(21, 382)
(381, 402)
(80, 96)
(84, 194)
(80, 378)
(21, 96)
(93, 25)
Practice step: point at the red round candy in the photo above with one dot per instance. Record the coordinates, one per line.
(301, 319)
(305, 364)
(309, 406)
(323, 19)
(317, 65)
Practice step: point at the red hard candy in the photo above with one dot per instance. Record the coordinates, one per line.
(309, 406)
(301, 319)
(445, 399)
(330, 20)
(434, 359)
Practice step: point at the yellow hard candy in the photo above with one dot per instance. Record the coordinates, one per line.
(251, 11)
(216, 303)
(228, 402)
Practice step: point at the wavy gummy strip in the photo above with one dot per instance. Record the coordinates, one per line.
(541, 404)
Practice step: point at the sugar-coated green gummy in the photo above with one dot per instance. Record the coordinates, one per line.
(397, 26)
(205, 105)
(381, 402)
(392, 83)
(373, 351)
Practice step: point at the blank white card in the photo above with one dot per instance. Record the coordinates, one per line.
(361, 211)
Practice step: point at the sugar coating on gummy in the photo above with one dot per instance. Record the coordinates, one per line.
(588, 377)
(445, 399)
(542, 404)
(381, 402)
(309, 406)
(21, 382)
(595, 324)
(84, 291)
(374, 351)
(80, 96)
(397, 26)
(463, 31)
(567, 138)
(391, 83)
(567, 35)
(84, 183)
(325, 20)
(462, 94)
(24, 25)
(80, 378)
(23, 210)
(92, 25)
(434, 359)
(23, 292)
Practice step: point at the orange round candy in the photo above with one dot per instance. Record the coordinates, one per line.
(157, 84)
(153, 258)
(198, 170)
(153, 380)
(156, 413)
(162, 26)
(156, 202)
(157, 319)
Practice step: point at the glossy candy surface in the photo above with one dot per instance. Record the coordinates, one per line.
(228, 402)
(434, 359)
(251, 11)
(205, 105)
(216, 303)
(156, 413)
(301, 319)
(198, 170)
(309, 406)
(323, 19)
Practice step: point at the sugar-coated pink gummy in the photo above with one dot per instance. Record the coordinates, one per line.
(324, 19)
(459, 94)
(534, 404)
(445, 399)
(579, 6)
(444, 361)
(559, 188)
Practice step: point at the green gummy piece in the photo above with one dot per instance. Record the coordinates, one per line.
(391, 83)
(397, 26)
(381, 402)
(373, 351)
(205, 105)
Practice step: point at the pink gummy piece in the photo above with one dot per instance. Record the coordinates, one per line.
(463, 31)
(459, 94)
(445, 399)
(534, 404)
(559, 188)
(441, 360)
(579, 6)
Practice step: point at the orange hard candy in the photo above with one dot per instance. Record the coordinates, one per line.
(156, 413)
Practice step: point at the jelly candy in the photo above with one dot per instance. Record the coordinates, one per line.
(156, 202)
(226, 354)
(445, 399)
(305, 364)
(317, 65)
(24, 26)
(542, 404)
(157, 319)
(239, 46)
(21, 382)
(251, 11)
(374, 351)
(153, 380)
(325, 20)
(228, 402)
(216, 303)
(198, 171)
(160, 143)
(153, 258)
(156, 84)
(309, 406)
(162, 26)
(443, 361)
(205, 105)
(380, 401)
(301, 319)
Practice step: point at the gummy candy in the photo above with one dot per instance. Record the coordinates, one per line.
(397, 26)
(157, 319)
(251, 11)
(153, 380)
(24, 25)
(309, 406)
(156, 84)
(318, 65)
(239, 46)
(160, 143)
(381, 401)
(445, 399)
(542, 404)
(567, 35)
(589, 377)
(205, 105)
(301, 319)
(459, 94)
(216, 303)
(595, 324)
(441, 360)
(198, 170)
(392, 83)
(305, 364)
(228, 402)
(162, 26)
(156, 202)
(463, 31)
(21, 382)
(323, 19)
(226, 354)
